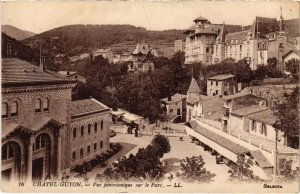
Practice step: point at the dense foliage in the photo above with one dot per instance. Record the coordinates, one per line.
(192, 170)
(292, 66)
(145, 165)
(287, 114)
(73, 39)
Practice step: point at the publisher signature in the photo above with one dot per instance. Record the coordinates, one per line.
(272, 186)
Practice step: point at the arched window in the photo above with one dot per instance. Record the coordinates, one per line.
(14, 109)
(38, 105)
(82, 130)
(4, 110)
(264, 129)
(101, 125)
(96, 126)
(45, 104)
(74, 133)
(7, 151)
(89, 128)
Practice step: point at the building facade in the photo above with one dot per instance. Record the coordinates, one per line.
(174, 106)
(142, 59)
(221, 85)
(90, 121)
(179, 46)
(199, 41)
(37, 119)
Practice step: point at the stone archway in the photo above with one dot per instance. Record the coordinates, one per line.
(42, 157)
(11, 160)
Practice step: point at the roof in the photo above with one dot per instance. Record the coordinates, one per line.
(227, 29)
(16, 72)
(236, 37)
(221, 77)
(297, 52)
(222, 141)
(85, 107)
(126, 116)
(35, 127)
(194, 87)
(265, 116)
(175, 98)
(142, 48)
(264, 25)
(237, 95)
(200, 18)
(66, 73)
(261, 159)
(44, 121)
(248, 110)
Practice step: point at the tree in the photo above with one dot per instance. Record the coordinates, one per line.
(161, 145)
(292, 66)
(287, 114)
(241, 170)
(192, 170)
(145, 165)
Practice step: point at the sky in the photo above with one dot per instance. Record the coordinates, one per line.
(40, 16)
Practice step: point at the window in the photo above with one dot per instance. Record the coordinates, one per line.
(96, 127)
(140, 65)
(82, 130)
(241, 47)
(171, 110)
(4, 110)
(101, 124)
(89, 128)
(95, 146)
(88, 149)
(38, 105)
(40, 142)
(264, 129)
(74, 155)
(207, 49)
(216, 92)
(81, 152)
(7, 152)
(74, 132)
(101, 144)
(216, 83)
(46, 104)
(253, 125)
(14, 109)
(211, 82)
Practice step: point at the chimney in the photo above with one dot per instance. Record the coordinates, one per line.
(42, 63)
(9, 49)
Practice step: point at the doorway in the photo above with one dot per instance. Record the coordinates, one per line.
(6, 174)
(37, 169)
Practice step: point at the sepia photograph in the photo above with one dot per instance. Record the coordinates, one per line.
(150, 96)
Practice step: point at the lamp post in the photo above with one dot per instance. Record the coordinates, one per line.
(275, 170)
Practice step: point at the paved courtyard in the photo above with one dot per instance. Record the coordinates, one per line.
(179, 150)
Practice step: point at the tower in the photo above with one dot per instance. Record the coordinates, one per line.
(281, 20)
(194, 91)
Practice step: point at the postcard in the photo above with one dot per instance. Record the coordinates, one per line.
(150, 96)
